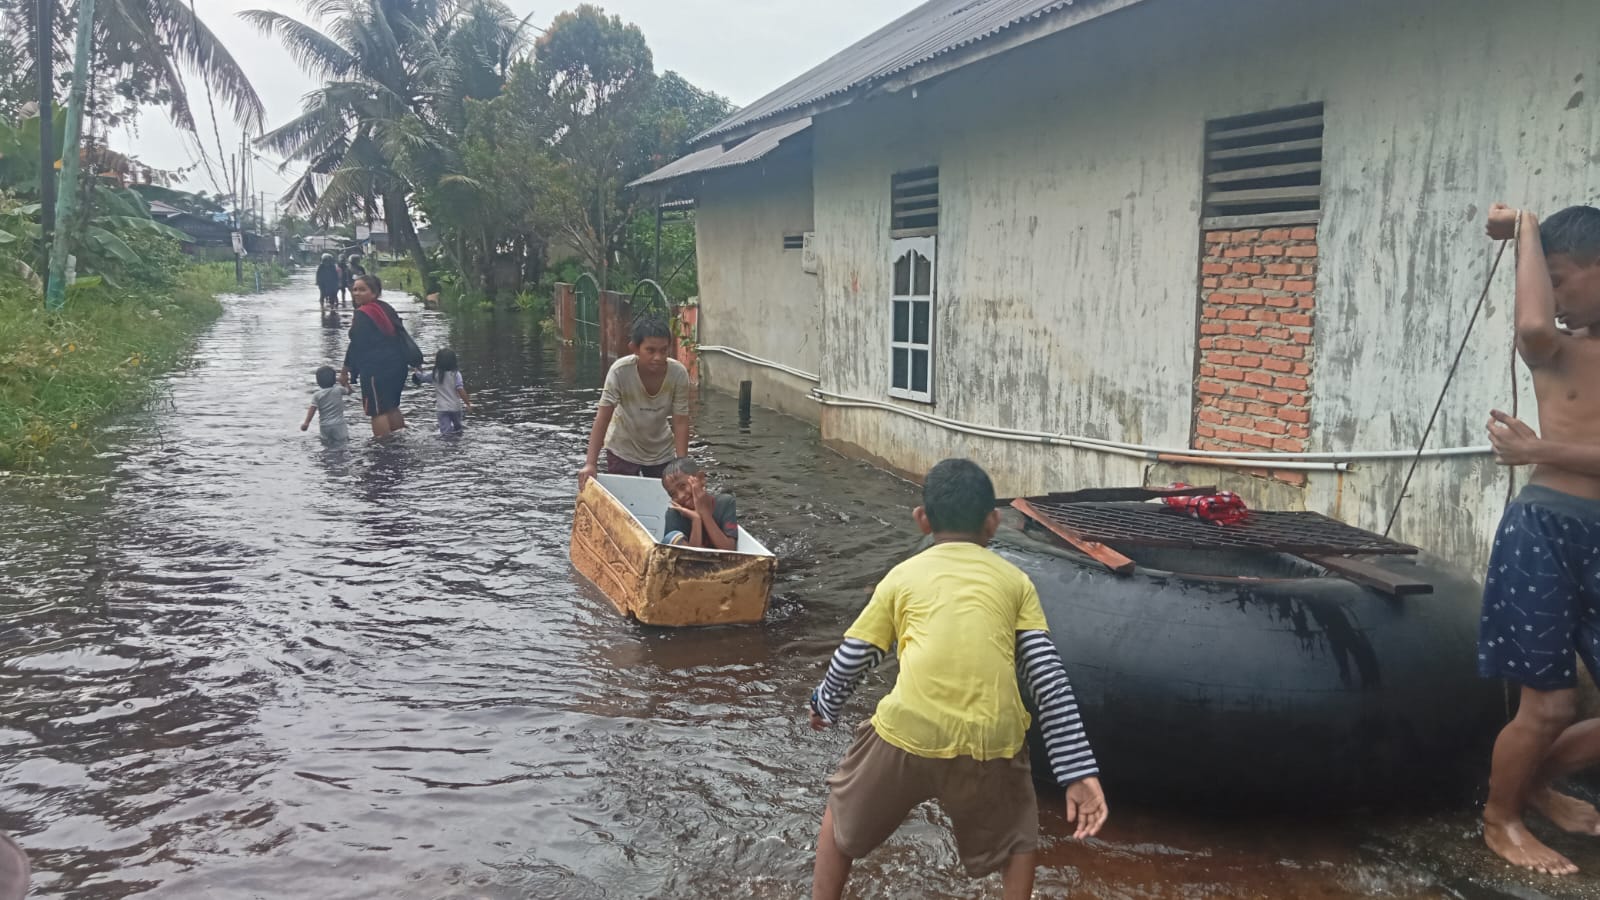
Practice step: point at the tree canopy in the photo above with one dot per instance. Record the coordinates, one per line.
(513, 149)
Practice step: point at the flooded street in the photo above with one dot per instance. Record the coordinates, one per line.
(237, 664)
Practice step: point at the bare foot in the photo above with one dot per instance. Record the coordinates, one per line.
(1519, 847)
(1568, 813)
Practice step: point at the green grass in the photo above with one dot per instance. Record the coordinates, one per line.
(218, 277)
(398, 277)
(62, 373)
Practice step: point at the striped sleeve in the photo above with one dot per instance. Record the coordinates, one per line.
(1039, 669)
(850, 663)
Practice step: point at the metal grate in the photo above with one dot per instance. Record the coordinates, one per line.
(915, 198)
(1264, 169)
(1157, 526)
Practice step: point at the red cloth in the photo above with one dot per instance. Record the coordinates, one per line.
(379, 317)
(1222, 508)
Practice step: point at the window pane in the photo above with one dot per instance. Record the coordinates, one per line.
(902, 324)
(899, 377)
(919, 319)
(919, 371)
(924, 276)
(902, 276)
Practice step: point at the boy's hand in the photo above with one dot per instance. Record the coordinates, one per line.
(304, 426)
(588, 471)
(818, 723)
(1502, 225)
(1515, 444)
(691, 513)
(1086, 807)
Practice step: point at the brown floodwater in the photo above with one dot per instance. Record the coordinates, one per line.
(237, 664)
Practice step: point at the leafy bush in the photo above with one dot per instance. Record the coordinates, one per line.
(159, 264)
(536, 303)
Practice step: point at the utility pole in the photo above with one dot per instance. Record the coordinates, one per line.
(45, 70)
(238, 224)
(67, 197)
(655, 261)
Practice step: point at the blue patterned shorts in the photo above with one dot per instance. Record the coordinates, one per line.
(1541, 596)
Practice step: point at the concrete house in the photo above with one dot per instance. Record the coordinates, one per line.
(1112, 242)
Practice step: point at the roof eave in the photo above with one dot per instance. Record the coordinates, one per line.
(1004, 41)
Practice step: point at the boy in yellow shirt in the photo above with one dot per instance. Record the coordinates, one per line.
(967, 626)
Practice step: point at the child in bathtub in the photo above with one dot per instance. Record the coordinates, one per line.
(696, 518)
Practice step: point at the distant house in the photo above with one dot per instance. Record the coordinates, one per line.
(1081, 241)
(313, 246)
(204, 231)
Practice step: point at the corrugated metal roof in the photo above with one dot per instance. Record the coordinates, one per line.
(926, 33)
(714, 157)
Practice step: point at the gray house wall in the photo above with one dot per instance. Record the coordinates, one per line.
(753, 294)
(1068, 255)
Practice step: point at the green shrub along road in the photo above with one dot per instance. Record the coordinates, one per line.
(62, 374)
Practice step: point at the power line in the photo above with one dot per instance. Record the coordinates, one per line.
(211, 104)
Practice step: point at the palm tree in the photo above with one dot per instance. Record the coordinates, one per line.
(396, 76)
(149, 42)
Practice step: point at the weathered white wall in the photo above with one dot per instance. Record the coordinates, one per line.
(1068, 250)
(753, 295)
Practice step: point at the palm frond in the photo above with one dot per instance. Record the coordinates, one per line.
(347, 191)
(320, 125)
(316, 52)
(178, 102)
(196, 46)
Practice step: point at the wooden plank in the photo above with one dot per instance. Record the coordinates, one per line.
(1267, 149)
(1113, 495)
(1097, 551)
(899, 186)
(1263, 220)
(919, 231)
(916, 199)
(1265, 195)
(1269, 128)
(1376, 577)
(1252, 174)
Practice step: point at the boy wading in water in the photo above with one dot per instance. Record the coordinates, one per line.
(967, 627)
(642, 393)
(1542, 591)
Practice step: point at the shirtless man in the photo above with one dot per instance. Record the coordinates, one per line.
(1542, 591)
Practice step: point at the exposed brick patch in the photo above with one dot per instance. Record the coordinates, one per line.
(1254, 389)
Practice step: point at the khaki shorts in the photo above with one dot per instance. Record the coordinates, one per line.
(991, 804)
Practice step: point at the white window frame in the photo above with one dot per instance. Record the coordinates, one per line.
(926, 246)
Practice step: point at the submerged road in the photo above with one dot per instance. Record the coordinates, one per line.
(237, 664)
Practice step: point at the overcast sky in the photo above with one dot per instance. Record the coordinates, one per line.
(738, 48)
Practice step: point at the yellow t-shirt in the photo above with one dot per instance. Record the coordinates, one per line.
(955, 610)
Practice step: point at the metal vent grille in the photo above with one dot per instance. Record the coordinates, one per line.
(915, 196)
(1264, 169)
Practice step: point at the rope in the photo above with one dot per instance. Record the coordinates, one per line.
(1449, 377)
(1516, 403)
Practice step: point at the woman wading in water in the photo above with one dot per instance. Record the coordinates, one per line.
(378, 356)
